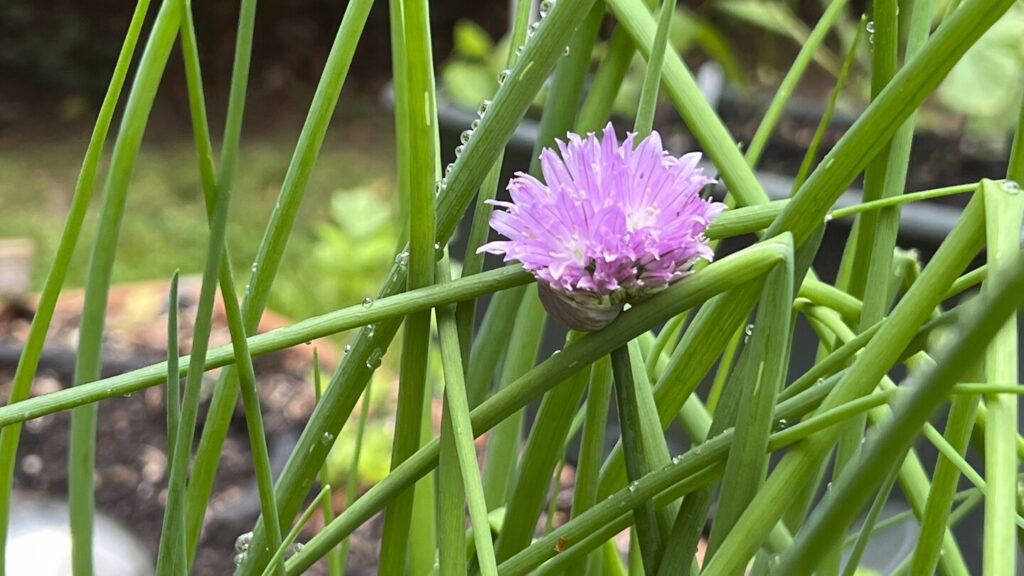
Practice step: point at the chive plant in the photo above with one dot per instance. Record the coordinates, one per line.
(612, 237)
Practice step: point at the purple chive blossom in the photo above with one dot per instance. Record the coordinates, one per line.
(612, 225)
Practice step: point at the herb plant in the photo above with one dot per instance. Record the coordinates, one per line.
(782, 462)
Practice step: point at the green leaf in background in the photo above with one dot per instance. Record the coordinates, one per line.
(773, 16)
(688, 27)
(350, 254)
(471, 41)
(687, 33)
(777, 17)
(468, 83)
(987, 84)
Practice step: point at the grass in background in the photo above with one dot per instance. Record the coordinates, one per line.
(165, 208)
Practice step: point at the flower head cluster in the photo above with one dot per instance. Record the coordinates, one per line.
(612, 224)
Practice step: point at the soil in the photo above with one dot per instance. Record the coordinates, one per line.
(131, 462)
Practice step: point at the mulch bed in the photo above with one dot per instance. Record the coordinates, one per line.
(131, 462)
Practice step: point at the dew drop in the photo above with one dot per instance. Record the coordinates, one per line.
(473, 126)
(747, 333)
(348, 348)
(677, 459)
(239, 558)
(566, 51)
(465, 136)
(870, 27)
(373, 362)
(459, 149)
(367, 302)
(298, 546)
(439, 187)
(828, 487)
(448, 171)
(402, 258)
(545, 7)
(502, 76)
(632, 486)
(783, 423)
(327, 438)
(243, 541)
(484, 106)
(371, 330)
(519, 51)
(828, 217)
(1011, 186)
(533, 28)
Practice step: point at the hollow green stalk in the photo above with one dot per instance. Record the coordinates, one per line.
(32, 349)
(172, 391)
(912, 477)
(503, 442)
(274, 340)
(220, 186)
(789, 82)
(1004, 205)
(416, 133)
(82, 448)
(457, 412)
(723, 275)
(336, 557)
(826, 118)
(488, 348)
(539, 460)
(352, 478)
(588, 465)
(881, 352)
(472, 262)
(856, 485)
(700, 118)
(271, 252)
(648, 533)
(276, 561)
(644, 121)
(765, 370)
(172, 557)
(959, 425)
(497, 125)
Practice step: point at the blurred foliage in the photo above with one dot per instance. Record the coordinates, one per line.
(352, 250)
(470, 74)
(987, 84)
(690, 34)
(778, 18)
(165, 212)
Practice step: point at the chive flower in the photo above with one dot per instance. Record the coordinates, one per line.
(612, 225)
